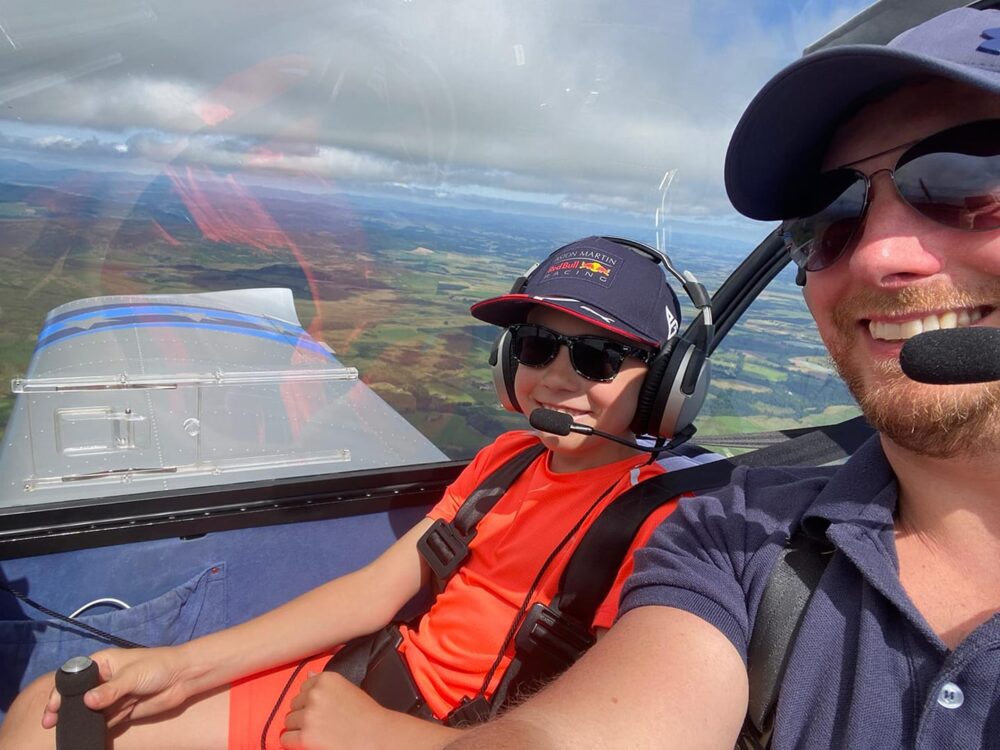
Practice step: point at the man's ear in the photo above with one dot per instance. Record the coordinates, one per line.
(800, 277)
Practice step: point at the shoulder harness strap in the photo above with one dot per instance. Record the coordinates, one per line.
(791, 585)
(589, 576)
(445, 546)
(555, 636)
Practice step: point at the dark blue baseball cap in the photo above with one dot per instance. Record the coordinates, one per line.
(778, 146)
(603, 282)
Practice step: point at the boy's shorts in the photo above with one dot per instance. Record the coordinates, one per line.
(252, 699)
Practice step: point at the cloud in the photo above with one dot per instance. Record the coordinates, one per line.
(589, 101)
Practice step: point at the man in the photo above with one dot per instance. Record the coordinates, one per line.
(899, 645)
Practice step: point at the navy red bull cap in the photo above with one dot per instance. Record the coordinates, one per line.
(779, 144)
(603, 282)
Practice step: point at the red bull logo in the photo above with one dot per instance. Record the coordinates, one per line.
(594, 267)
(565, 266)
(584, 269)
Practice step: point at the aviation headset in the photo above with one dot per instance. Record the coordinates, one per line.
(677, 381)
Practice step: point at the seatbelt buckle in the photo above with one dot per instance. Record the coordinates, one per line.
(546, 632)
(443, 549)
(469, 712)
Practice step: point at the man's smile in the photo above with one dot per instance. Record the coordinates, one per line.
(901, 329)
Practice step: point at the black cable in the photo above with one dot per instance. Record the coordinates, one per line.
(661, 445)
(277, 703)
(100, 634)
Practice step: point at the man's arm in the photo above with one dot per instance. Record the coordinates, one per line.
(661, 678)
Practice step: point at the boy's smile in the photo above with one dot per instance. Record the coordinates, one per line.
(608, 407)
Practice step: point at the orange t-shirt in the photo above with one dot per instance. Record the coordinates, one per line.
(456, 642)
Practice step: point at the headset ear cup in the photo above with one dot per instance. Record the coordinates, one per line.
(650, 389)
(678, 408)
(675, 407)
(502, 363)
(663, 408)
(504, 368)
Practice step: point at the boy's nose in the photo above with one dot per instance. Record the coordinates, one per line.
(560, 372)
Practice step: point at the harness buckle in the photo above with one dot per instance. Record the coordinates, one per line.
(547, 633)
(443, 549)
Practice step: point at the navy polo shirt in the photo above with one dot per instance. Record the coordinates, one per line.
(866, 670)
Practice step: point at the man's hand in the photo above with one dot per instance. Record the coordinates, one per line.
(136, 683)
(331, 713)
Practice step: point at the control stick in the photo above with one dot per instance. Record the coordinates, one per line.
(79, 727)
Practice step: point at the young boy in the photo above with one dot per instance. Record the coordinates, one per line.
(581, 329)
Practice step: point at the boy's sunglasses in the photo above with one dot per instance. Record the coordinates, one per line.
(592, 357)
(952, 177)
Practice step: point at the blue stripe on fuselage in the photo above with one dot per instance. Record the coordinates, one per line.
(60, 322)
(297, 339)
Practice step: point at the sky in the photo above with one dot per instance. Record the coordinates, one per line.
(589, 105)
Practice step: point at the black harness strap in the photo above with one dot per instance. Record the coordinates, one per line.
(811, 446)
(792, 582)
(352, 660)
(553, 637)
(596, 561)
(374, 664)
(491, 489)
(445, 546)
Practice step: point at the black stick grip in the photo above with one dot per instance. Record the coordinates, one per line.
(79, 728)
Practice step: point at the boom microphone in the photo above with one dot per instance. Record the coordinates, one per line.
(560, 423)
(550, 420)
(953, 356)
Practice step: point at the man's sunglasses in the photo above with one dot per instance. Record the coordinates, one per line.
(952, 177)
(592, 357)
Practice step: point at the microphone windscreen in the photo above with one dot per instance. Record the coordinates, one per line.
(953, 356)
(550, 420)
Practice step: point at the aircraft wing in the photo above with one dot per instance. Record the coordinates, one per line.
(131, 394)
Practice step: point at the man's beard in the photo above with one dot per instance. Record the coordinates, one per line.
(929, 420)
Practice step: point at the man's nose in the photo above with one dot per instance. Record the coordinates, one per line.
(897, 243)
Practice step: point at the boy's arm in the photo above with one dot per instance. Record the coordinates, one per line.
(332, 613)
(661, 678)
(349, 606)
